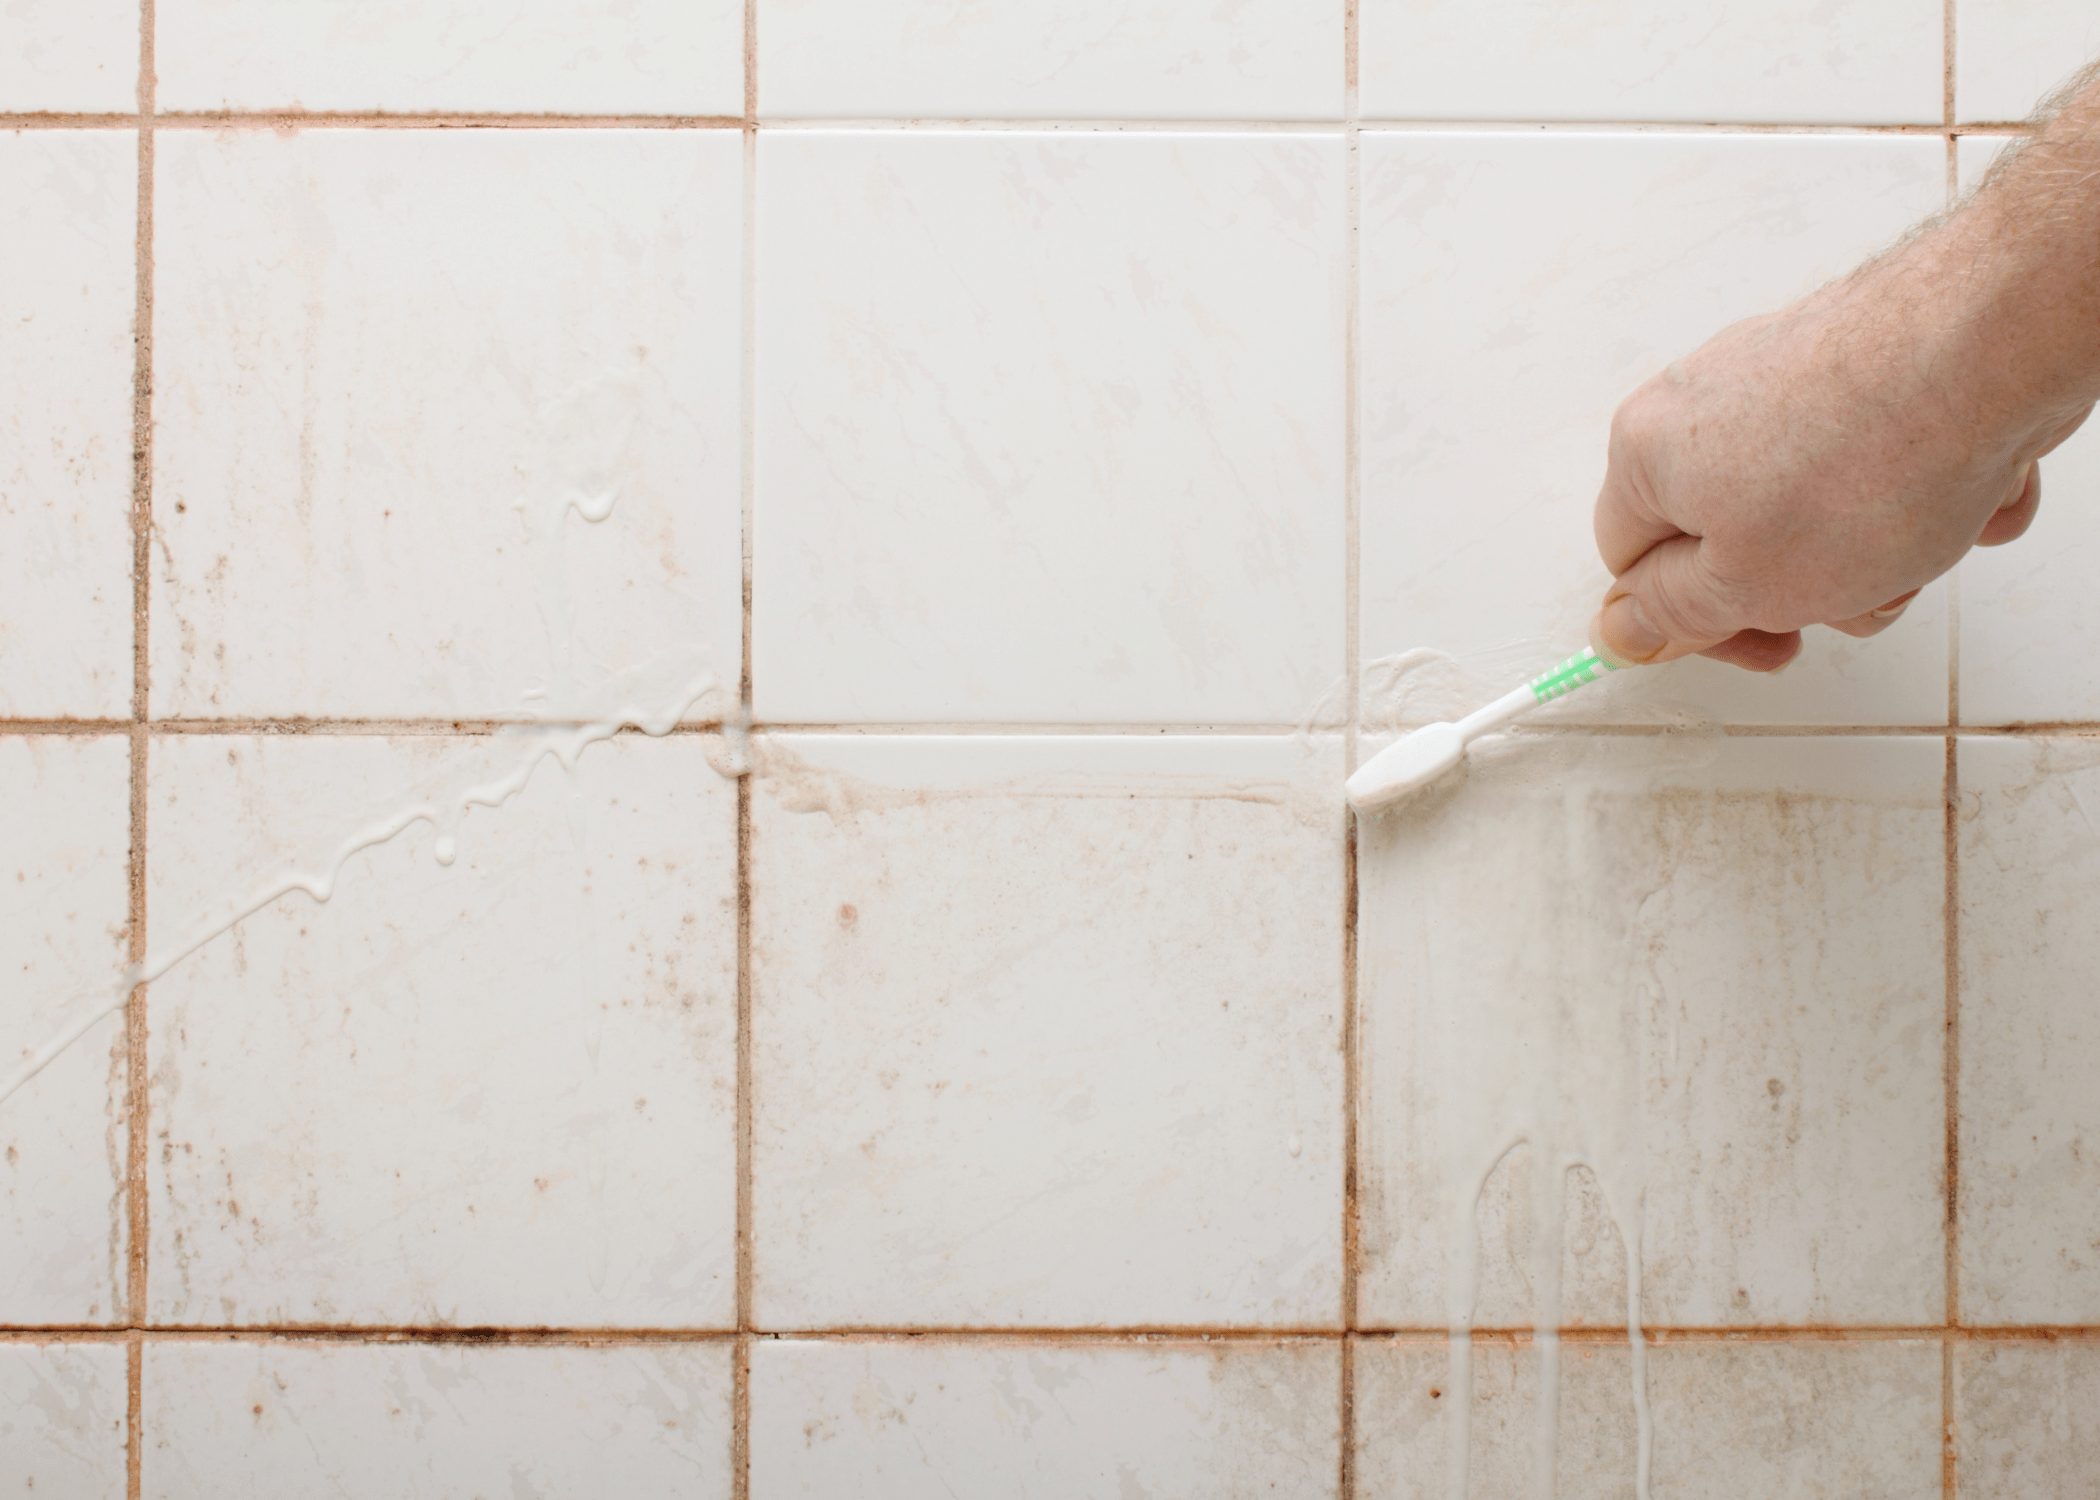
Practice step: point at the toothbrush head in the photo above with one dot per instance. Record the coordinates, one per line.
(1405, 767)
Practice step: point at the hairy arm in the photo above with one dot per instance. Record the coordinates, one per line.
(1823, 463)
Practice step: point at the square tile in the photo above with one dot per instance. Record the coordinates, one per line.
(2027, 1420)
(2011, 54)
(389, 366)
(2030, 647)
(1070, 59)
(499, 1092)
(896, 1421)
(2030, 1044)
(1850, 62)
(62, 1411)
(1710, 971)
(65, 837)
(436, 1421)
(683, 57)
(70, 56)
(1049, 427)
(1807, 1421)
(1046, 1032)
(1516, 288)
(68, 234)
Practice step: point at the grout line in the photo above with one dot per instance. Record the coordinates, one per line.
(137, 1122)
(747, 400)
(1950, 1455)
(1352, 677)
(1950, 1479)
(1947, 42)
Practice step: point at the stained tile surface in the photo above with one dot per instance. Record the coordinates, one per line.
(1819, 1421)
(1847, 62)
(2010, 54)
(67, 236)
(499, 1092)
(62, 1420)
(677, 57)
(2029, 1418)
(1014, 468)
(63, 915)
(885, 1420)
(2030, 1044)
(1515, 288)
(1047, 1032)
(397, 370)
(1256, 59)
(1710, 971)
(427, 1422)
(70, 55)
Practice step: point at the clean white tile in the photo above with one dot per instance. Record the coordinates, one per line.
(1808, 1421)
(501, 1092)
(70, 55)
(371, 346)
(1049, 427)
(434, 1422)
(1516, 288)
(1046, 1031)
(1711, 969)
(2030, 1042)
(560, 56)
(897, 1421)
(2027, 1420)
(64, 840)
(62, 1420)
(1068, 59)
(2010, 54)
(67, 233)
(2030, 642)
(1851, 62)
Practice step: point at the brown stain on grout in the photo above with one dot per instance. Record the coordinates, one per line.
(747, 415)
(1352, 670)
(1951, 1084)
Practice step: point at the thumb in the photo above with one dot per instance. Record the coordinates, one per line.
(1665, 606)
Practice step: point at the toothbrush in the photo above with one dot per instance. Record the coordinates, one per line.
(1412, 762)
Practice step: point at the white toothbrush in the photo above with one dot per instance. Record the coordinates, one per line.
(1413, 761)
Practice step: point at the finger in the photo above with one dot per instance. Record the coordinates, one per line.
(2056, 438)
(1757, 650)
(2013, 518)
(1874, 621)
(1627, 522)
(1664, 606)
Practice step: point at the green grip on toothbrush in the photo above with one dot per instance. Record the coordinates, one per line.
(1586, 666)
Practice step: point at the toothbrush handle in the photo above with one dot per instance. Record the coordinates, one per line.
(1584, 667)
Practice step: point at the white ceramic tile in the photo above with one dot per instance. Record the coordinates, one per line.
(1049, 427)
(435, 1422)
(70, 55)
(1823, 61)
(897, 1421)
(2028, 1420)
(1047, 1032)
(1808, 1421)
(681, 57)
(2010, 54)
(62, 1420)
(499, 1092)
(1516, 288)
(1711, 970)
(1068, 59)
(64, 840)
(2030, 645)
(67, 233)
(371, 346)
(2030, 1043)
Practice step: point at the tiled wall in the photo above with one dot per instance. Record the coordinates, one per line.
(1026, 1080)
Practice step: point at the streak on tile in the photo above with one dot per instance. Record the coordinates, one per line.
(2027, 1419)
(435, 1422)
(900, 1420)
(70, 56)
(1710, 967)
(1046, 1031)
(496, 1093)
(62, 1420)
(2010, 54)
(1049, 427)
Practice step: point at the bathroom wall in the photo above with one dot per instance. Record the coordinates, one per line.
(802, 577)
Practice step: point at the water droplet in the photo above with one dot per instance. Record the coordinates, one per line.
(1295, 1145)
(447, 848)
